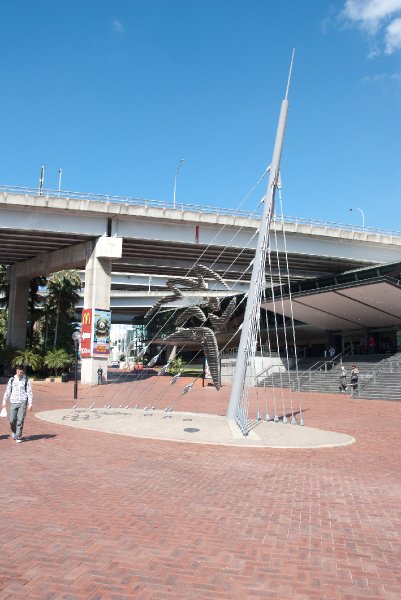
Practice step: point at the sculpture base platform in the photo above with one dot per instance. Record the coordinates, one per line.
(195, 428)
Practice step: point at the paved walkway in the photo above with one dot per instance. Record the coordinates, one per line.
(94, 516)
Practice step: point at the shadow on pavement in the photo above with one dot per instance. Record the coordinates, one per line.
(43, 436)
(124, 377)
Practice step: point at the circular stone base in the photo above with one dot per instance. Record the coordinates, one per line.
(194, 428)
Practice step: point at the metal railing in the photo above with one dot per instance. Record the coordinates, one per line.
(166, 204)
(278, 368)
(109, 199)
(322, 365)
(392, 364)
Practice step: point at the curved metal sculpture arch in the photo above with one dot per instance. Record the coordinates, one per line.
(204, 336)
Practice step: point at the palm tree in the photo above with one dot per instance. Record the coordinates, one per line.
(34, 311)
(28, 358)
(60, 303)
(58, 359)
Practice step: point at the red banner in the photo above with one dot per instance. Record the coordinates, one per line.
(86, 333)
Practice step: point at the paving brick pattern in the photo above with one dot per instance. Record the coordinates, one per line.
(87, 515)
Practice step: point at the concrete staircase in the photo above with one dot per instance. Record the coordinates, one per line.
(379, 376)
(382, 383)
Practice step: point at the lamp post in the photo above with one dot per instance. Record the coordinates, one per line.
(41, 179)
(175, 180)
(76, 336)
(60, 174)
(362, 213)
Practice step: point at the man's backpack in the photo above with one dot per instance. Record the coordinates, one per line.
(12, 381)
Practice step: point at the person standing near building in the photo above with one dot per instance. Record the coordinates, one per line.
(19, 393)
(343, 379)
(354, 377)
(99, 376)
(372, 344)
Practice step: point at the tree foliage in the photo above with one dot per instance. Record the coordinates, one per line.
(176, 366)
(4, 287)
(59, 308)
(58, 359)
(7, 354)
(35, 311)
(28, 358)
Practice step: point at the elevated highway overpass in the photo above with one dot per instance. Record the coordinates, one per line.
(158, 239)
(115, 239)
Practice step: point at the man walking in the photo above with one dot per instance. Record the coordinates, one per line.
(19, 392)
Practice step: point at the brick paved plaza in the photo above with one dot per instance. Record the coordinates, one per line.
(94, 516)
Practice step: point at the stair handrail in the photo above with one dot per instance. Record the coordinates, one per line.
(371, 376)
(312, 370)
(266, 370)
(324, 365)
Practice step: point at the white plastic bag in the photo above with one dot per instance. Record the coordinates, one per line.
(3, 412)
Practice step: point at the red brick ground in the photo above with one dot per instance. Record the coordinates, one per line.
(93, 516)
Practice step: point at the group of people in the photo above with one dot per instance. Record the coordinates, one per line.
(354, 378)
(19, 394)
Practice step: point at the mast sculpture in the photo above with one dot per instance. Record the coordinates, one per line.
(251, 323)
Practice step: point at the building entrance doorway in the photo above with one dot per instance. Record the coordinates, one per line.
(354, 341)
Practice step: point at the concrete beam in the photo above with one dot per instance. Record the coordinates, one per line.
(72, 257)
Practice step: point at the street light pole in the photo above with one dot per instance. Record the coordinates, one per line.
(41, 179)
(60, 173)
(76, 336)
(175, 180)
(362, 213)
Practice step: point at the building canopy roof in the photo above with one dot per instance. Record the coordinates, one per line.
(369, 297)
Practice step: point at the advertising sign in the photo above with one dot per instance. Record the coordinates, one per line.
(86, 333)
(101, 332)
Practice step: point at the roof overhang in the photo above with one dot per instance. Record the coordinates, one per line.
(347, 307)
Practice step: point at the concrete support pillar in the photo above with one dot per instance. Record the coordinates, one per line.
(99, 255)
(17, 308)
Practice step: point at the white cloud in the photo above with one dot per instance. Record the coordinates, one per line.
(117, 26)
(370, 14)
(379, 77)
(393, 36)
(377, 17)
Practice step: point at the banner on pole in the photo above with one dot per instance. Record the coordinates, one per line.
(86, 333)
(101, 332)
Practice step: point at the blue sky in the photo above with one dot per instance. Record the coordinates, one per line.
(117, 92)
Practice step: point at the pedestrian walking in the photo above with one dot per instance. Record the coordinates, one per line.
(354, 377)
(19, 393)
(343, 379)
(99, 376)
